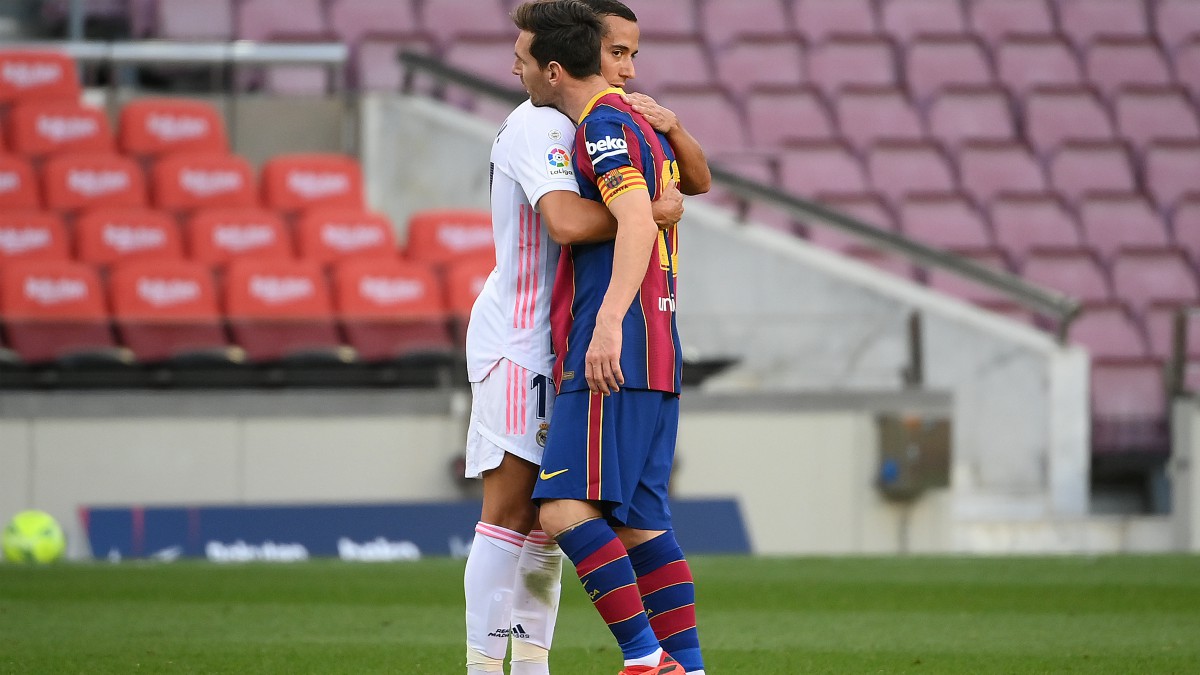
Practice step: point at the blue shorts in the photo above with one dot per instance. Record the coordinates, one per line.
(616, 451)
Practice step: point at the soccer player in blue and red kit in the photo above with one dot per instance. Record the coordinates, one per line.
(602, 488)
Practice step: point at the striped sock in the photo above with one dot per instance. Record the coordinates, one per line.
(608, 578)
(669, 596)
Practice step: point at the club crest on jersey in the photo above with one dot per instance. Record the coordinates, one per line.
(558, 162)
(614, 180)
(542, 432)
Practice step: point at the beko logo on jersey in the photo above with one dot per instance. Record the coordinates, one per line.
(608, 144)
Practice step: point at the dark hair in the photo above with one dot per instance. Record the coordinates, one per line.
(566, 31)
(611, 8)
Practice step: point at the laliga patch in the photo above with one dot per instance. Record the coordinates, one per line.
(558, 162)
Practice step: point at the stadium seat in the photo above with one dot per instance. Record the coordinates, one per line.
(668, 19)
(752, 164)
(263, 20)
(392, 309)
(35, 75)
(183, 182)
(217, 236)
(1023, 222)
(710, 116)
(331, 234)
(55, 310)
(1148, 114)
(281, 310)
(892, 263)
(677, 62)
(377, 68)
(352, 20)
(1171, 168)
(944, 220)
(1160, 329)
(1076, 273)
(32, 235)
(1113, 63)
(1185, 224)
(723, 22)
(1187, 67)
(464, 278)
(935, 62)
(867, 207)
(40, 128)
(1084, 21)
(1109, 331)
(294, 182)
(851, 60)
(991, 168)
(75, 181)
(1145, 276)
(900, 168)
(150, 127)
(867, 115)
(963, 288)
(1121, 220)
(817, 20)
(1024, 62)
(440, 236)
(828, 167)
(739, 66)
(109, 235)
(18, 184)
(994, 20)
(906, 19)
(1129, 404)
(167, 309)
(962, 114)
(488, 57)
(448, 21)
(1176, 21)
(1057, 114)
(776, 116)
(212, 20)
(1080, 167)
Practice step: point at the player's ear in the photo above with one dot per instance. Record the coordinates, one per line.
(554, 72)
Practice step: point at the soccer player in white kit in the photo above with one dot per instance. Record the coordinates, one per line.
(512, 578)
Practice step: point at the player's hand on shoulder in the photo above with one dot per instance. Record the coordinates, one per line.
(668, 208)
(662, 119)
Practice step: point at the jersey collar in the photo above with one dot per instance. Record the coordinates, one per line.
(596, 99)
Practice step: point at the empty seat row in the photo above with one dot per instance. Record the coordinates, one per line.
(381, 309)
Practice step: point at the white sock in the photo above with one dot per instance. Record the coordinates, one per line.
(651, 659)
(535, 604)
(488, 584)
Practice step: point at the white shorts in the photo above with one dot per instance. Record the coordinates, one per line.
(510, 412)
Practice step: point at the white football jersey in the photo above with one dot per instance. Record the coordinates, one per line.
(511, 316)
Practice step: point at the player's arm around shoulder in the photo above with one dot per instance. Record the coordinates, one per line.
(695, 178)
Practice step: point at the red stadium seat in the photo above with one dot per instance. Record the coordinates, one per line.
(997, 19)
(944, 220)
(1023, 222)
(218, 236)
(867, 115)
(1024, 62)
(18, 184)
(739, 66)
(867, 207)
(906, 19)
(39, 128)
(935, 62)
(1086, 20)
(212, 20)
(667, 19)
(1171, 169)
(1142, 277)
(1187, 67)
(901, 168)
(829, 167)
(991, 168)
(150, 127)
(450, 20)
(440, 236)
(1185, 223)
(1112, 222)
(965, 289)
(681, 62)
(378, 69)
(87, 181)
(1177, 21)
(31, 75)
(32, 235)
(167, 309)
(54, 310)
(1160, 329)
(711, 117)
(281, 309)
(1080, 168)
(1113, 63)
(300, 181)
(775, 116)
(189, 181)
(464, 280)
(852, 60)
(1148, 114)
(328, 235)
(1109, 331)
(391, 309)
(1129, 406)
(818, 19)
(108, 235)
(722, 22)
(352, 20)
(1054, 115)
(267, 19)
(1074, 272)
(963, 114)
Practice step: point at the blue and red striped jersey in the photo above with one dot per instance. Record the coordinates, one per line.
(616, 151)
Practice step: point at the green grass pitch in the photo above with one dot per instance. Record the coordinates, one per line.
(1135, 614)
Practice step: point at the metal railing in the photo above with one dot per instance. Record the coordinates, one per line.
(1055, 306)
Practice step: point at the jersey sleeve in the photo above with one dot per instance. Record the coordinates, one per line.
(541, 158)
(607, 143)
